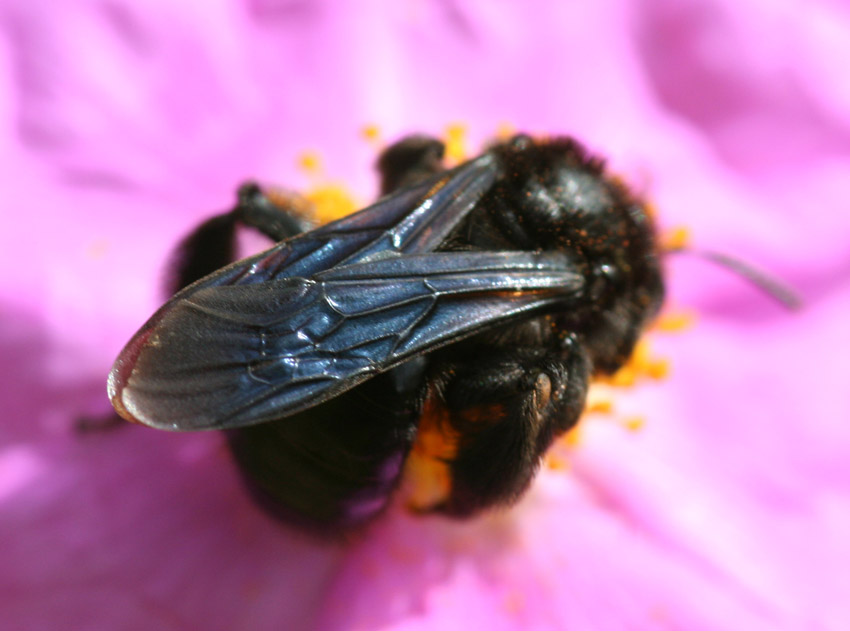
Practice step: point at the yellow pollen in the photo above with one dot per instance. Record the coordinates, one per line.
(623, 378)
(455, 138)
(658, 368)
(427, 471)
(505, 130)
(572, 437)
(556, 462)
(430, 481)
(310, 162)
(642, 364)
(601, 406)
(675, 321)
(676, 239)
(433, 443)
(640, 355)
(331, 201)
(371, 133)
(634, 423)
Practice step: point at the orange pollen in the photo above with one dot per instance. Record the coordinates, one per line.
(676, 239)
(310, 162)
(428, 480)
(505, 130)
(371, 133)
(602, 406)
(642, 364)
(556, 462)
(573, 437)
(455, 138)
(634, 423)
(623, 378)
(658, 368)
(428, 483)
(675, 321)
(331, 201)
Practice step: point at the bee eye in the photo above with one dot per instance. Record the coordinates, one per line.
(607, 270)
(606, 277)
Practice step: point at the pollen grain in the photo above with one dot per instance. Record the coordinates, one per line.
(331, 201)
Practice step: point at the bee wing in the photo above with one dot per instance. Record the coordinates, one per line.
(415, 219)
(225, 356)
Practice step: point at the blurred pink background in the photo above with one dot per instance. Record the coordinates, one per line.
(126, 123)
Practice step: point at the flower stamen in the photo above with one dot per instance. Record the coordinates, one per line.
(310, 162)
(331, 201)
(371, 134)
(456, 139)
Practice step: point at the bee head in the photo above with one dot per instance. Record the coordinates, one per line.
(557, 196)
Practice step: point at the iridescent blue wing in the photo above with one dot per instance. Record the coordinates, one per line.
(232, 355)
(316, 315)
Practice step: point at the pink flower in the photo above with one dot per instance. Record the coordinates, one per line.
(126, 123)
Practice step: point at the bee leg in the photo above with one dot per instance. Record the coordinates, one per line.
(410, 160)
(212, 245)
(277, 214)
(97, 424)
(505, 410)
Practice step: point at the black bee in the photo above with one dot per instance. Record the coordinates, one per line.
(472, 303)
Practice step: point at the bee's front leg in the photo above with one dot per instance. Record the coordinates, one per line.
(277, 214)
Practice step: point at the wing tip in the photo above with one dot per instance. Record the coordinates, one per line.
(118, 387)
(128, 409)
(117, 391)
(119, 377)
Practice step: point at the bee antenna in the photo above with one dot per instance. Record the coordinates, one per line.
(772, 287)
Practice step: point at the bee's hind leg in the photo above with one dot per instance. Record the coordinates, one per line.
(504, 407)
